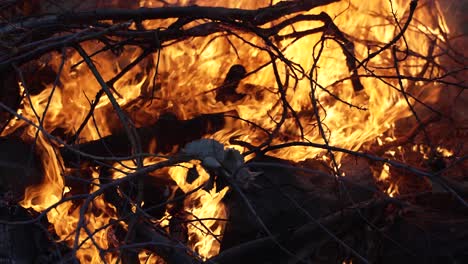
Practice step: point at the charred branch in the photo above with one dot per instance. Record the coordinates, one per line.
(257, 17)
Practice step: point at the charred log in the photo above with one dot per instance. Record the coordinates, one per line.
(166, 135)
(19, 168)
(319, 194)
(302, 215)
(24, 243)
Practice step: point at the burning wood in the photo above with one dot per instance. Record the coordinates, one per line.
(236, 131)
(165, 136)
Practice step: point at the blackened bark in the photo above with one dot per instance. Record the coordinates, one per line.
(166, 135)
(19, 168)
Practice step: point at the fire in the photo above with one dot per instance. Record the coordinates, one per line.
(188, 72)
(385, 176)
(203, 205)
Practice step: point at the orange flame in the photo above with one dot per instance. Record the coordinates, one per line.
(190, 70)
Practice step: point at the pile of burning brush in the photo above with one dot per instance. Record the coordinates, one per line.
(295, 131)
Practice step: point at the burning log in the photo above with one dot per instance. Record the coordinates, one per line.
(165, 136)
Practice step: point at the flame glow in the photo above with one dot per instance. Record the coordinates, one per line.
(203, 205)
(190, 70)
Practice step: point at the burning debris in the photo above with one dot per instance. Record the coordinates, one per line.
(232, 132)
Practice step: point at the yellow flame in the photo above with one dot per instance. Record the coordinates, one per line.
(446, 153)
(190, 70)
(206, 207)
(385, 176)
